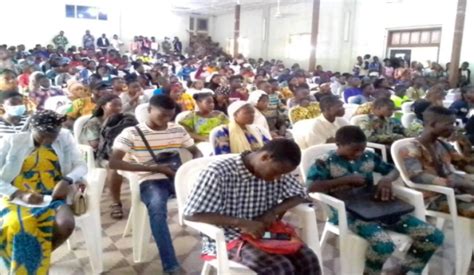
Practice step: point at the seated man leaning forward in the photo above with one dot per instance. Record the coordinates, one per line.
(341, 172)
(156, 183)
(245, 194)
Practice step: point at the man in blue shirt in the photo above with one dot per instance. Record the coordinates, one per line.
(353, 90)
(461, 107)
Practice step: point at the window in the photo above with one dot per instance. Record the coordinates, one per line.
(85, 12)
(191, 23)
(202, 24)
(415, 38)
(70, 11)
(299, 46)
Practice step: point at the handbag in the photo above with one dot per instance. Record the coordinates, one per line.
(274, 246)
(171, 159)
(79, 202)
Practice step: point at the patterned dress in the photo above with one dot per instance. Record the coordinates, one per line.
(426, 238)
(222, 142)
(26, 233)
(379, 130)
(203, 125)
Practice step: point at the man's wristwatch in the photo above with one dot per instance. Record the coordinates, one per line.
(68, 180)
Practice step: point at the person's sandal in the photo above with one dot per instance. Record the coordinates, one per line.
(117, 211)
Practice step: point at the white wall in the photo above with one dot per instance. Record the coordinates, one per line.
(366, 22)
(273, 41)
(32, 21)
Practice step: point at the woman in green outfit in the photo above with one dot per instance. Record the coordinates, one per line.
(200, 123)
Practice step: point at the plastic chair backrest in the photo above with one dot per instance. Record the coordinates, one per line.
(407, 119)
(213, 137)
(300, 130)
(406, 107)
(290, 117)
(395, 151)
(88, 155)
(356, 120)
(309, 155)
(349, 110)
(78, 125)
(186, 177)
(141, 112)
(181, 116)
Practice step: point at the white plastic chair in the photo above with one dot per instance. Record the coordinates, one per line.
(138, 221)
(407, 119)
(79, 125)
(100, 174)
(90, 222)
(349, 110)
(463, 228)
(181, 116)
(290, 117)
(300, 131)
(356, 120)
(352, 247)
(55, 102)
(141, 112)
(185, 179)
(406, 107)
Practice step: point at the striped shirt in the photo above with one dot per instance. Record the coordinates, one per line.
(130, 142)
(7, 129)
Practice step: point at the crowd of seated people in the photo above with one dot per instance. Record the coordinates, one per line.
(249, 107)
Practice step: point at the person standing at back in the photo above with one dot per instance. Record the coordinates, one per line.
(88, 41)
(156, 180)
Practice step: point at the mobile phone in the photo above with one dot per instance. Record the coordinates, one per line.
(276, 236)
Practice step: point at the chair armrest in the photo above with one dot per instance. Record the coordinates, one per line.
(412, 197)
(447, 191)
(379, 146)
(309, 234)
(336, 204)
(217, 234)
(209, 230)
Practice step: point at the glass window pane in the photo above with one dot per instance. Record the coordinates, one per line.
(202, 24)
(191, 23)
(415, 38)
(86, 12)
(436, 37)
(102, 16)
(70, 11)
(425, 37)
(405, 38)
(395, 38)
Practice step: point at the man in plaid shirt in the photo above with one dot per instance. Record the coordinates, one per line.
(247, 193)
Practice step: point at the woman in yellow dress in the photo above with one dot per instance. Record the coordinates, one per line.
(43, 162)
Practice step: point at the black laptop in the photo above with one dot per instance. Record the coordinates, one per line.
(362, 205)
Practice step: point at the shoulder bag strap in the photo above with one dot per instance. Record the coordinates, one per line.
(147, 145)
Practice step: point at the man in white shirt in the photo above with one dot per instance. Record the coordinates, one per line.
(323, 128)
(116, 43)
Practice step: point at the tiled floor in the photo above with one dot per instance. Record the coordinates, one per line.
(118, 257)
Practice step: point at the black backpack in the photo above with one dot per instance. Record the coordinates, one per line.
(111, 129)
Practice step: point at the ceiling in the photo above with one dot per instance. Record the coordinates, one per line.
(213, 7)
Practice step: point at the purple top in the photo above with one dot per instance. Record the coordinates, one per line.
(351, 92)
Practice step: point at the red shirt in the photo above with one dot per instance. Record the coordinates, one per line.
(24, 80)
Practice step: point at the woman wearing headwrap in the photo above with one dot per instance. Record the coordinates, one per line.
(44, 161)
(259, 100)
(240, 134)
